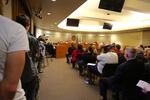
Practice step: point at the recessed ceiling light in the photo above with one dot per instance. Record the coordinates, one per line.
(53, 0)
(49, 13)
(47, 32)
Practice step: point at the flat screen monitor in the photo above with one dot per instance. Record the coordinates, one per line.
(107, 26)
(73, 22)
(113, 5)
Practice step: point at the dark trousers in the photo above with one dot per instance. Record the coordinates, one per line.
(132, 94)
(73, 64)
(92, 70)
(67, 58)
(104, 85)
(31, 88)
(81, 66)
(40, 64)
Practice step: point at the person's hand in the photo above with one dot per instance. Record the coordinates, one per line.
(145, 90)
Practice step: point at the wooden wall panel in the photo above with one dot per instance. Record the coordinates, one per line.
(61, 51)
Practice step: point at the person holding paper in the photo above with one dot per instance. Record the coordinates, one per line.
(125, 78)
(146, 76)
(128, 74)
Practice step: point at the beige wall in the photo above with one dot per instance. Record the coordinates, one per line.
(57, 37)
(7, 10)
(105, 39)
(96, 38)
(130, 39)
(146, 38)
(86, 37)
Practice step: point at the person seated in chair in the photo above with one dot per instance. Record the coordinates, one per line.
(108, 57)
(127, 76)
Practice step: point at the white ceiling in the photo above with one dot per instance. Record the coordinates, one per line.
(135, 14)
(59, 9)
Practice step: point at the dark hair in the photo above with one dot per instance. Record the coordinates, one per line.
(80, 47)
(23, 20)
(142, 46)
(107, 48)
(90, 49)
(118, 46)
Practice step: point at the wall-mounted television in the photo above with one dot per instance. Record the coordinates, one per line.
(72, 22)
(113, 5)
(107, 26)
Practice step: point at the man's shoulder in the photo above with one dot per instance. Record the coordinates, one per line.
(11, 26)
(10, 23)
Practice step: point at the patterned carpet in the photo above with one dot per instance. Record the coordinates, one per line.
(60, 82)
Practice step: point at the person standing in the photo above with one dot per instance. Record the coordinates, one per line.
(13, 45)
(29, 78)
(70, 50)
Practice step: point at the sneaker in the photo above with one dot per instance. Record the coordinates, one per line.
(40, 71)
(86, 81)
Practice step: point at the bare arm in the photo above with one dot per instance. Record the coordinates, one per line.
(12, 73)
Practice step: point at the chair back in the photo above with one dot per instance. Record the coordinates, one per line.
(109, 70)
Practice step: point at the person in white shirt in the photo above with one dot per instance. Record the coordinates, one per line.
(13, 45)
(108, 57)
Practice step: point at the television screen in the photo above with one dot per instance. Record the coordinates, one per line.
(113, 5)
(107, 26)
(72, 22)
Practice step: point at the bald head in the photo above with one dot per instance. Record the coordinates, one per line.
(130, 53)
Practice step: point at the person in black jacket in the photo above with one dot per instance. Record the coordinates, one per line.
(146, 76)
(125, 78)
(70, 49)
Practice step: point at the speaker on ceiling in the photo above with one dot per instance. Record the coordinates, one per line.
(113, 5)
(72, 22)
(107, 26)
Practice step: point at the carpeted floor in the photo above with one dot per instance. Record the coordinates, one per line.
(60, 82)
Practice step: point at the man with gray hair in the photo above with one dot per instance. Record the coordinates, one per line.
(125, 78)
(128, 74)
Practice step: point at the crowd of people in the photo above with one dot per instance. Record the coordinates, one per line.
(34, 60)
(117, 70)
(21, 59)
